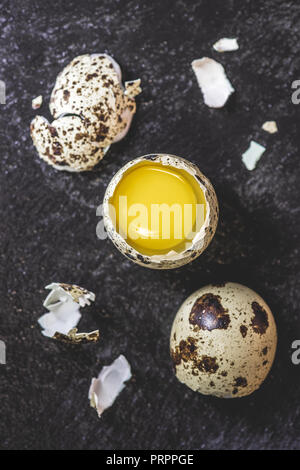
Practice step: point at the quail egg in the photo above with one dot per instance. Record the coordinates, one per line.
(91, 111)
(160, 211)
(223, 341)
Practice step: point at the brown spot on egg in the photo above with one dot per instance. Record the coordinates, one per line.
(260, 321)
(208, 364)
(185, 351)
(240, 382)
(201, 180)
(143, 259)
(66, 95)
(57, 148)
(243, 330)
(91, 75)
(265, 350)
(52, 131)
(80, 136)
(209, 314)
(151, 157)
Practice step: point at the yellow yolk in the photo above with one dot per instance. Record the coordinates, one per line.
(157, 208)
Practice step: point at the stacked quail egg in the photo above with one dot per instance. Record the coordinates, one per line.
(91, 111)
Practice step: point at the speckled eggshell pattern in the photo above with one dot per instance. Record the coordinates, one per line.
(201, 240)
(80, 295)
(65, 144)
(223, 341)
(90, 86)
(76, 291)
(92, 110)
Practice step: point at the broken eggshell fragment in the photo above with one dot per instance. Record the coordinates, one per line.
(66, 143)
(270, 126)
(74, 337)
(132, 89)
(226, 45)
(108, 385)
(214, 84)
(252, 155)
(37, 102)
(223, 340)
(64, 302)
(89, 89)
(172, 259)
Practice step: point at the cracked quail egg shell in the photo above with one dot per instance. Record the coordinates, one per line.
(172, 259)
(91, 109)
(223, 341)
(90, 86)
(58, 144)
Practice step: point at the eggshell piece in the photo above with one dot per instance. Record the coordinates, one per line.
(213, 82)
(223, 341)
(63, 304)
(73, 337)
(92, 110)
(109, 384)
(252, 155)
(270, 126)
(226, 45)
(37, 102)
(90, 87)
(66, 143)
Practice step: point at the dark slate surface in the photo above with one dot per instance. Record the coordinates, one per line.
(48, 222)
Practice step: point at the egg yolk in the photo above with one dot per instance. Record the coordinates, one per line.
(158, 208)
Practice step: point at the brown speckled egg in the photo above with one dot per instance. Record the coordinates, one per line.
(223, 341)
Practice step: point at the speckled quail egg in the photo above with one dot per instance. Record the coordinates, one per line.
(92, 110)
(161, 181)
(223, 341)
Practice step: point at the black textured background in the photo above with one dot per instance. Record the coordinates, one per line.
(48, 222)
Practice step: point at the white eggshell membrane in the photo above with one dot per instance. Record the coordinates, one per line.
(226, 45)
(109, 384)
(201, 240)
(214, 84)
(223, 341)
(91, 109)
(270, 126)
(252, 155)
(63, 303)
(37, 102)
